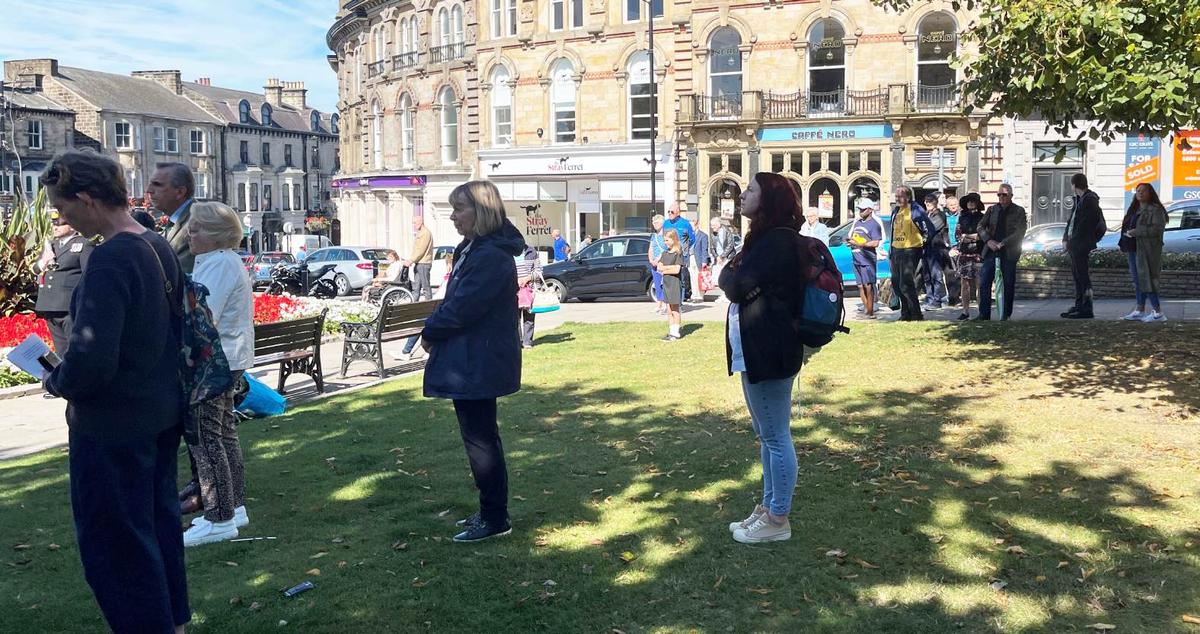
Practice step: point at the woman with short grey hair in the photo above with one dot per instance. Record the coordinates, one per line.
(213, 232)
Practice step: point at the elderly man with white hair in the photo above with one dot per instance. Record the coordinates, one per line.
(813, 227)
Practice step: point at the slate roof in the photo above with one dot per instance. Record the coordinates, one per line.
(283, 117)
(33, 101)
(130, 95)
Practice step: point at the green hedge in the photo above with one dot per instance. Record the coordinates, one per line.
(1110, 259)
(10, 377)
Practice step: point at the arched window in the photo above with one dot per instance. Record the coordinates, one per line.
(562, 101)
(244, 111)
(502, 131)
(642, 108)
(407, 137)
(449, 126)
(266, 114)
(334, 120)
(444, 26)
(826, 67)
(402, 35)
(380, 45)
(456, 19)
(314, 121)
(376, 135)
(937, 44)
(413, 36)
(725, 72)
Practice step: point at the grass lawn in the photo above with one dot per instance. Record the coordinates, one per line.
(1016, 477)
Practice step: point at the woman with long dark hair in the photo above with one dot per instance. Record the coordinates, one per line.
(763, 285)
(1142, 240)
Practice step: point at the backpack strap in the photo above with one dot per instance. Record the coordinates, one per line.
(168, 286)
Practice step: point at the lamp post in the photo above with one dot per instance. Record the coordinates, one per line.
(653, 112)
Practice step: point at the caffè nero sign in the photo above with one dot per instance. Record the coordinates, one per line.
(939, 37)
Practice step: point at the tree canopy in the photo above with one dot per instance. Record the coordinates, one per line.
(1128, 65)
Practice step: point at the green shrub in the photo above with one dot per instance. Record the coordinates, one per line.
(10, 377)
(1109, 259)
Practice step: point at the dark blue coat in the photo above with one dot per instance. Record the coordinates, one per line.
(475, 349)
(700, 253)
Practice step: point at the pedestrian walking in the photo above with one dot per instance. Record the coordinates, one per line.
(1001, 231)
(172, 188)
(968, 249)
(528, 266)
(474, 350)
(865, 236)
(937, 252)
(687, 241)
(910, 229)
(813, 227)
(670, 266)
(215, 231)
(1085, 227)
(765, 290)
(1142, 241)
(120, 377)
(65, 257)
(702, 259)
(421, 260)
(562, 250)
(658, 246)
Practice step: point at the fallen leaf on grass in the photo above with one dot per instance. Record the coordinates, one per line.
(54, 547)
(865, 564)
(1015, 550)
(21, 547)
(1102, 627)
(320, 554)
(255, 606)
(836, 552)
(444, 513)
(519, 498)
(998, 585)
(400, 546)
(1194, 620)
(417, 583)
(760, 590)
(1062, 564)
(316, 572)
(231, 563)
(937, 539)
(628, 557)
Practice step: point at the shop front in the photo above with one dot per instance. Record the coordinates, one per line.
(378, 211)
(578, 190)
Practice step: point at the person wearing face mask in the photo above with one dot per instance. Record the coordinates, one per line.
(474, 348)
(911, 229)
(1085, 227)
(66, 256)
(865, 236)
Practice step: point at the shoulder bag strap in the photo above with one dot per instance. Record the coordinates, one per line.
(168, 286)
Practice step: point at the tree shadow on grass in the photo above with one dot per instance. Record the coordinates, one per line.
(620, 500)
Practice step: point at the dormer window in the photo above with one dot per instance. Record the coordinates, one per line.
(244, 111)
(315, 121)
(266, 115)
(333, 123)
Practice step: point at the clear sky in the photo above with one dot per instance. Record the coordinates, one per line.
(236, 43)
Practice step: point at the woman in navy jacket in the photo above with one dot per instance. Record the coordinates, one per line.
(764, 287)
(474, 349)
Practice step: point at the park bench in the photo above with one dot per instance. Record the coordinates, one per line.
(295, 345)
(364, 340)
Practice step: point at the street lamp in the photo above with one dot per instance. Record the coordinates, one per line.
(653, 112)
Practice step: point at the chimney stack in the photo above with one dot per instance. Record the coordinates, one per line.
(30, 71)
(294, 95)
(169, 79)
(204, 81)
(273, 92)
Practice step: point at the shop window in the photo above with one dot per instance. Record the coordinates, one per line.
(777, 163)
(827, 67)
(725, 72)
(814, 162)
(797, 162)
(835, 162)
(937, 44)
(641, 102)
(875, 162)
(735, 164)
(826, 195)
(853, 162)
(562, 97)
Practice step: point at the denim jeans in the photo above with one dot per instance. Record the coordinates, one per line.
(987, 276)
(770, 404)
(658, 289)
(935, 281)
(410, 343)
(1137, 285)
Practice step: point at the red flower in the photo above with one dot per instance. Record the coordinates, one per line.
(14, 330)
(268, 309)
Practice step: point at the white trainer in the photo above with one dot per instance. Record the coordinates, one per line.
(207, 532)
(240, 518)
(763, 530)
(759, 510)
(1153, 317)
(1134, 315)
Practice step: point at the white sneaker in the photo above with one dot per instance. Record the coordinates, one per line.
(206, 532)
(1153, 317)
(1134, 315)
(759, 510)
(240, 518)
(401, 355)
(762, 530)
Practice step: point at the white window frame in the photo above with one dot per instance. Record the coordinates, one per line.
(562, 76)
(127, 136)
(201, 179)
(576, 7)
(449, 126)
(158, 135)
(511, 11)
(172, 136)
(197, 138)
(407, 133)
(641, 14)
(810, 68)
(946, 62)
(376, 135)
(402, 35)
(741, 72)
(380, 45)
(456, 24)
(639, 59)
(444, 26)
(497, 19)
(558, 15)
(33, 134)
(502, 111)
(414, 37)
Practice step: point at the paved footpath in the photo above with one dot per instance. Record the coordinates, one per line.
(32, 423)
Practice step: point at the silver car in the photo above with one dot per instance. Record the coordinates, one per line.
(356, 266)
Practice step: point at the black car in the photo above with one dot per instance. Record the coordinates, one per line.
(610, 267)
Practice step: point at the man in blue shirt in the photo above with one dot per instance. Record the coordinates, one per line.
(562, 250)
(172, 188)
(687, 240)
(866, 234)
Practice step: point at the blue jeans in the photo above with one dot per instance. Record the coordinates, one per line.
(1137, 285)
(770, 404)
(658, 289)
(935, 280)
(410, 343)
(987, 275)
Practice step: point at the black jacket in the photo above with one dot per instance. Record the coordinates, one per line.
(476, 351)
(1088, 226)
(1015, 226)
(60, 280)
(766, 286)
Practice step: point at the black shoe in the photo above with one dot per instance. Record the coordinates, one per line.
(192, 489)
(963, 316)
(471, 520)
(481, 531)
(1078, 316)
(981, 318)
(1074, 310)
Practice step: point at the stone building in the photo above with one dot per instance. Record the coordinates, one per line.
(33, 128)
(140, 120)
(278, 155)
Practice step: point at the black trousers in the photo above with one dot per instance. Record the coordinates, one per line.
(904, 281)
(526, 328)
(60, 332)
(953, 284)
(987, 277)
(127, 525)
(1083, 280)
(481, 438)
(685, 279)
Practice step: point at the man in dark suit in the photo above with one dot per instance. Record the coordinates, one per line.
(1001, 230)
(67, 255)
(172, 189)
(1085, 227)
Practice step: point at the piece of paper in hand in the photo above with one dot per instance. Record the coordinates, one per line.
(27, 355)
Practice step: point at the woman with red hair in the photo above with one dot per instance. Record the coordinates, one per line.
(764, 287)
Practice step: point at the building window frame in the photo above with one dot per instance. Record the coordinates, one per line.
(407, 132)
(244, 111)
(728, 102)
(826, 58)
(936, 58)
(511, 11)
(448, 102)
(158, 138)
(502, 111)
(172, 140)
(635, 10)
(196, 142)
(376, 135)
(638, 94)
(266, 115)
(564, 102)
(201, 180)
(123, 135)
(33, 134)
(266, 153)
(287, 155)
(497, 19)
(244, 152)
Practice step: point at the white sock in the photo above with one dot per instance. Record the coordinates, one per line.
(674, 330)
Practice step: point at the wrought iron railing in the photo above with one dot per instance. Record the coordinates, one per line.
(775, 106)
(375, 69)
(447, 52)
(405, 60)
(937, 98)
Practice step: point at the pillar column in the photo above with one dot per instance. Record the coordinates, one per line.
(973, 168)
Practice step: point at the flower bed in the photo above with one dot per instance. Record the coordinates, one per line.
(272, 308)
(14, 330)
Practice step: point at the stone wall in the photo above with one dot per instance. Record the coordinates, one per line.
(1045, 283)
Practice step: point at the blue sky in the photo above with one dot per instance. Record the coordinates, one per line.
(236, 43)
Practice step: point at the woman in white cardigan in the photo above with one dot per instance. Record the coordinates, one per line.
(214, 231)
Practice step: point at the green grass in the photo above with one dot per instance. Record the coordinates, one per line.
(1019, 477)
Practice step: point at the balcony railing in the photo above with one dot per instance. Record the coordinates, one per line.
(447, 52)
(405, 60)
(375, 69)
(776, 106)
(937, 98)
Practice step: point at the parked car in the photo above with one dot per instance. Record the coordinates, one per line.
(617, 266)
(259, 266)
(356, 266)
(845, 259)
(1182, 234)
(1040, 237)
(438, 272)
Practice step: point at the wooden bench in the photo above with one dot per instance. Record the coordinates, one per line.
(295, 345)
(364, 340)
